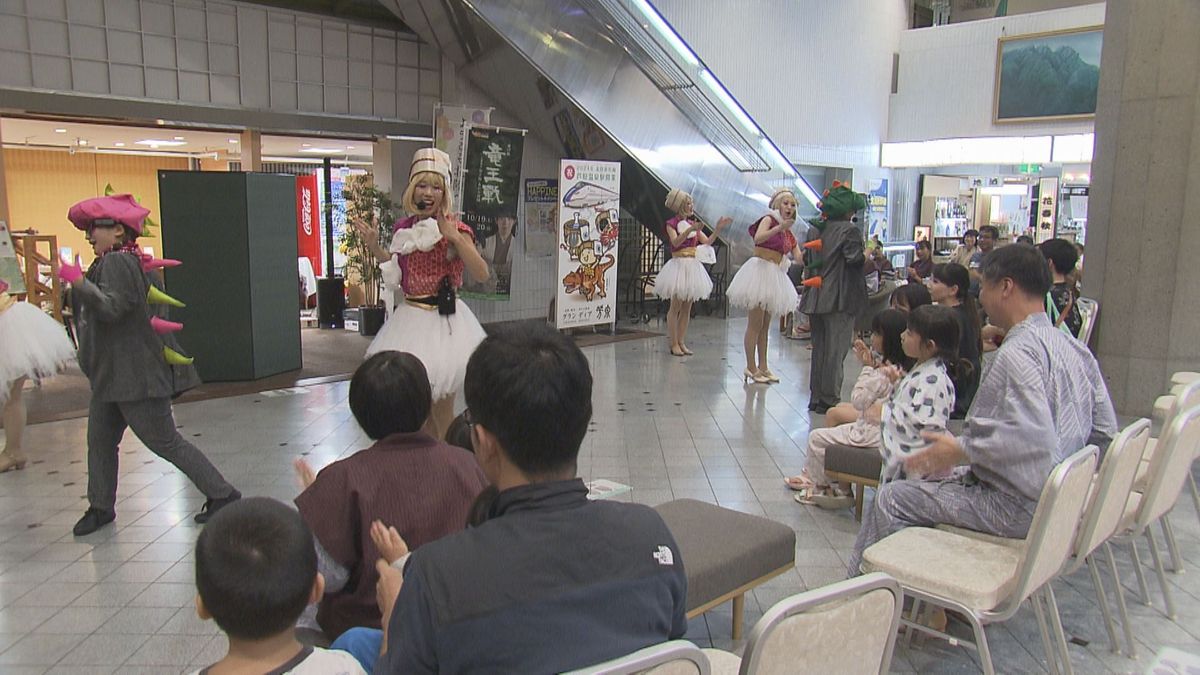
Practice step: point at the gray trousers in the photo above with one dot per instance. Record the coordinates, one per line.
(926, 503)
(831, 334)
(153, 424)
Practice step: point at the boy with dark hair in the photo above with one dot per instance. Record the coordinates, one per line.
(550, 581)
(256, 571)
(1062, 256)
(409, 480)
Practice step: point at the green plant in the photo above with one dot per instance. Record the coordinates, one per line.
(364, 200)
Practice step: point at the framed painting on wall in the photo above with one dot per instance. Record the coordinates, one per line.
(1048, 76)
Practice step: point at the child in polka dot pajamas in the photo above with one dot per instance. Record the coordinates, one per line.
(922, 399)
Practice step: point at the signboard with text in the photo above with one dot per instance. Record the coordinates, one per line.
(490, 200)
(588, 218)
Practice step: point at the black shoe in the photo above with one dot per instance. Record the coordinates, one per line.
(92, 520)
(211, 506)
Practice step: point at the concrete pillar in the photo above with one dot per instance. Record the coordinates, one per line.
(251, 150)
(3, 189)
(1144, 212)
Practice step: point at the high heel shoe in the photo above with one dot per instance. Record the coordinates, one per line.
(685, 350)
(748, 375)
(10, 463)
(771, 378)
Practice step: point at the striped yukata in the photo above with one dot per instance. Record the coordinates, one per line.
(1042, 400)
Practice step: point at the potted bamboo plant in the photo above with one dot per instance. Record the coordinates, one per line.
(364, 200)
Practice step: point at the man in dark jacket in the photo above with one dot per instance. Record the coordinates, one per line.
(550, 581)
(836, 291)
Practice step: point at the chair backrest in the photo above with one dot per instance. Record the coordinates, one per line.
(1051, 535)
(1111, 488)
(1170, 466)
(846, 627)
(677, 657)
(1188, 398)
(1088, 311)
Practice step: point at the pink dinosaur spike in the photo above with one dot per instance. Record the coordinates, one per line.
(162, 326)
(149, 263)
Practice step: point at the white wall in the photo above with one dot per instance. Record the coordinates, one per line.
(815, 74)
(215, 52)
(948, 73)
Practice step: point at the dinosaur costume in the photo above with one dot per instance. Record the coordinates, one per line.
(836, 290)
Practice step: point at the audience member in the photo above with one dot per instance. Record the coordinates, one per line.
(256, 571)
(922, 266)
(550, 581)
(1025, 239)
(988, 236)
(909, 297)
(950, 286)
(407, 479)
(967, 249)
(860, 429)
(1041, 400)
(459, 431)
(1061, 256)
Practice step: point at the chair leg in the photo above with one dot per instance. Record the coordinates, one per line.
(1121, 609)
(1139, 572)
(1039, 611)
(1060, 635)
(1102, 599)
(1172, 548)
(915, 613)
(739, 606)
(1162, 575)
(981, 644)
(859, 491)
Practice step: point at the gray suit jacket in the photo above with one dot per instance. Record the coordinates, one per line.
(843, 282)
(119, 352)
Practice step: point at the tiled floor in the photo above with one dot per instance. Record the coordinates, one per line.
(120, 600)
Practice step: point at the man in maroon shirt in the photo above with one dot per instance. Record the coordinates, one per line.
(407, 479)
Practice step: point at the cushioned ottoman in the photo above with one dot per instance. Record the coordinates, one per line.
(858, 466)
(726, 553)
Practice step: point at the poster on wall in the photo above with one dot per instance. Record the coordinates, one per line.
(541, 212)
(10, 269)
(589, 219)
(450, 125)
(877, 209)
(491, 197)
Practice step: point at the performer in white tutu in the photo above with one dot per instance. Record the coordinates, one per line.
(429, 251)
(683, 279)
(32, 345)
(762, 284)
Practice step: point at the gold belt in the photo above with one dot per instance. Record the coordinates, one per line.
(689, 252)
(422, 301)
(768, 254)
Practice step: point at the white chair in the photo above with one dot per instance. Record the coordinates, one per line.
(846, 627)
(1088, 311)
(1169, 468)
(1181, 398)
(677, 657)
(987, 581)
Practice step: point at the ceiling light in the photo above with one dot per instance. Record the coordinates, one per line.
(233, 140)
(306, 145)
(160, 122)
(349, 147)
(402, 137)
(179, 138)
(83, 141)
(155, 142)
(119, 144)
(60, 131)
(323, 151)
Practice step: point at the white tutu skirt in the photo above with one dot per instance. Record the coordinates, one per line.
(32, 345)
(443, 343)
(763, 284)
(683, 279)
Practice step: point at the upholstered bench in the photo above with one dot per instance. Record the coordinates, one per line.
(860, 467)
(726, 553)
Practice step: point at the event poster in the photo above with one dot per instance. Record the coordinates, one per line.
(541, 211)
(308, 221)
(491, 198)
(877, 209)
(10, 268)
(450, 125)
(589, 218)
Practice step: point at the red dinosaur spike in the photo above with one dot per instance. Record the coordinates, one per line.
(814, 282)
(814, 245)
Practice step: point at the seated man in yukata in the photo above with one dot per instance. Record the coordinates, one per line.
(1042, 400)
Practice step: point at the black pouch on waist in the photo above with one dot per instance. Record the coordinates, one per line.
(446, 297)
